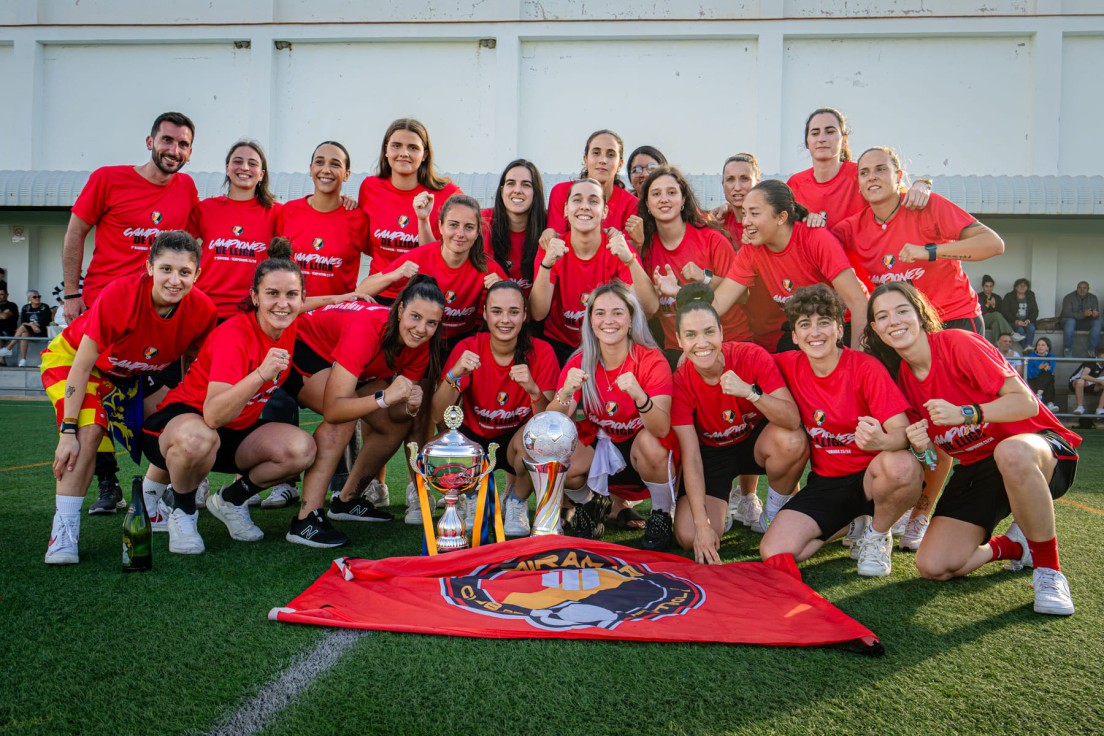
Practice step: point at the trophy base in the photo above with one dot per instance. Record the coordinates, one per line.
(451, 544)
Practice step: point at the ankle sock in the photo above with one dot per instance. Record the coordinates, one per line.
(184, 501)
(152, 489)
(240, 491)
(579, 495)
(1045, 554)
(662, 499)
(68, 505)
(1005, 548)
(775, 502)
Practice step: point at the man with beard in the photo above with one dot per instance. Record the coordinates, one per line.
(129, 206)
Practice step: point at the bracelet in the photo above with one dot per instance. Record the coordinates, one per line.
(452, 380)
(72, 296)
(543, 265)
(69, 420)
(560, 399)
(978, 417)
(68, 427)
(263, 379)
(645, 407)
(926, 180)
(927, 457)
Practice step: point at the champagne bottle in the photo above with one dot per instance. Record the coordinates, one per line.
(137, 532)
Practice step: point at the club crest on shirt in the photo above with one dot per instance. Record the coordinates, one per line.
(888, 260)
(317, 243)
(819, 416)
(584, 298)
(149, 352)
(787, 284)
(237, 229)
(501, 398)
(404, 220)
(450, 297)
(728, 415)
(611, 408)
(156, 217)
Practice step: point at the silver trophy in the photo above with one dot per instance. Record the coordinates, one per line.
(450, 465)
(549, 439)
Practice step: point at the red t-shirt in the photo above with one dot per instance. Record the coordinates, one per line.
(620, 207)
(831, 406)
(965, 370)
(351, 335)
(235, 349)
(235, 237)
(617, 414)
(326, 245)
(515, 256)
(839, 197)
(708, 249)
(129, 212)
(463, 286)
(943, 282)
(494, 404)
(764, 316)
(572, 279)
(813, 256)
(394, 225)
(132, 337)
(719, 418)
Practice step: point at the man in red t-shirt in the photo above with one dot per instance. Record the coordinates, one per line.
(129, 206)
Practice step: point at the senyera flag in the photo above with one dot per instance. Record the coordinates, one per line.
(566, 588)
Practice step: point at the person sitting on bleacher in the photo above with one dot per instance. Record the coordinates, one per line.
(1089, 379)
(9, 319)
(1080, 311)
(34, 318)
(1021, 310)
(1004, 345)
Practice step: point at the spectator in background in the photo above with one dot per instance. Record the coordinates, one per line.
(1040, 373)
(991, 311)
(1089, 379)
(34, 318)
(1080, 311)
(1021, 310)
(1004, 345)
(9, 320)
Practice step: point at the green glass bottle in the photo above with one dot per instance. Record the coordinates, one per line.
(137, 532)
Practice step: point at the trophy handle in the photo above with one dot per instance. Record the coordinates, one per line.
(491, 449)
(412, 448)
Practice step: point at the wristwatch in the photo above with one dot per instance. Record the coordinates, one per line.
(380, 400)
(969, 415)
(930, 248)
(708, 277)
(755, 394)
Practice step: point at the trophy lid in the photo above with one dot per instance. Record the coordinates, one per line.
(452, 444)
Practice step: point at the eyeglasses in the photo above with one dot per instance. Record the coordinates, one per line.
(640, 169)
(36, 296)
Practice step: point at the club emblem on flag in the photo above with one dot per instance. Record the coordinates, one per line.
(611, 408)
(156, 217)
(818, 417)
(317, 243)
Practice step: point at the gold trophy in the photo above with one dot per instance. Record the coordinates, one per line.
(450, 465)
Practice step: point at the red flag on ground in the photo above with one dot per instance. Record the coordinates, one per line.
(561, 587)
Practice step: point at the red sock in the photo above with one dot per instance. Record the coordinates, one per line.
(1005, 548)
(1045, 554)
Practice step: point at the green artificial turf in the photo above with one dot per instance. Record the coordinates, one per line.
(86, 649)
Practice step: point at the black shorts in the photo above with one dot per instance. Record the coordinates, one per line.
(1091, 387)
(503, 441)
(229, 439)
(722, 464)
(170, 377)
(832, 502)
(304, 364)
(976, 494)
(562, 350)
(975, 325)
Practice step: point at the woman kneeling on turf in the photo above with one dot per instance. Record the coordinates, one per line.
(212, 420)
(1014, 455)
(733, 416)
(855, 418)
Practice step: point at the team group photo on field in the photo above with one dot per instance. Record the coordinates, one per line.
(742, 420)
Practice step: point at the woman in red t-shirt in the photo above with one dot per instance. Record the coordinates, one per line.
(603, 156)
(785, 254)
(514, 225)
(733, 415)
(360, 361)
(504, 377)
(404, 199)
(570, 269)
(622, 382)
(212, 420)
(106, 359)
(681, 247)
(1014, 456)
(641, 162)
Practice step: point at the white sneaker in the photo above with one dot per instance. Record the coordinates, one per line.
(1017, 337)
(898, 527)
(1100, 411)
(1081, 410)
(1052, 592)
(378, 493)
(855, 533)
(236, 518)
(734, 497)
(62, 549)
(516, 523)
(874, 554)
(254, 500)
(1052, 406)
(914, 533)
(4, 352)
(202, 493)
(413, 508)
(22, 362)
(184, 538)
(761, 523)
(280, 496)
(159, 519)
(1016, 534)
(748, 509)
(466, 506)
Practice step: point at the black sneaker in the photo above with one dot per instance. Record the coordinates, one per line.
(111, 497)
(657, 532)
(588, 521)
(315, 531)
(358, 509)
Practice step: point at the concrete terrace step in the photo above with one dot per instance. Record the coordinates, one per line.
(16, 381)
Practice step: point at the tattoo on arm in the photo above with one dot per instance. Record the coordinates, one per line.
(955, 256)
(69, 391)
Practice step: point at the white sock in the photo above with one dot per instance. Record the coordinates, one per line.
(662, 498)
(68, 505)
(872, 534)
(579, 495)
(153, 493)
(775, 502)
